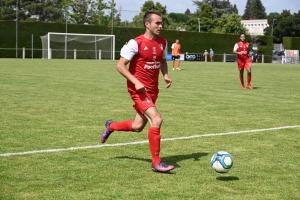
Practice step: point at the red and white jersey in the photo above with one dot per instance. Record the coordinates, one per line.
(145, 58)
(242, 47)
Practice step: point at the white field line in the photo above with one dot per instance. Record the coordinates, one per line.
(144, 141)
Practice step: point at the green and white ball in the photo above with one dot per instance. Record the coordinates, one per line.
(221, 162)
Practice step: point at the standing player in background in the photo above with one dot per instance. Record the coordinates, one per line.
(244, 59)
(147, 57)
(176, 54)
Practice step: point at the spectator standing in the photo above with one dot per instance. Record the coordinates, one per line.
(256, 57)
(252, 55)
(211, 55)
(205, 54)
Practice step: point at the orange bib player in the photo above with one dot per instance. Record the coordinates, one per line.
(243, 60)
(176, 54)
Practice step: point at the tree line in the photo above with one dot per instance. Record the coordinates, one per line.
(214, 16)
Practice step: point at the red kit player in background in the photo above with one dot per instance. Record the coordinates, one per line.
(147, 57)
(244, 59)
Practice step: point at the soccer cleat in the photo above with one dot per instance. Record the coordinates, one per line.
(243, 86)
(249, 86)
(178, 69)
(106, 132)
(162, 167)
(172, 68)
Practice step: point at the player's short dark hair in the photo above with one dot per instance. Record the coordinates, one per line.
(147, 16)
(242, 34)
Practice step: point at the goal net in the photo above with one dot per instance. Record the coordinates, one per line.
(78, 46)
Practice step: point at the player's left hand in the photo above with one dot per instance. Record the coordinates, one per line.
(168, 81)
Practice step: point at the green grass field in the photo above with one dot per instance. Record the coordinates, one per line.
(53, 112)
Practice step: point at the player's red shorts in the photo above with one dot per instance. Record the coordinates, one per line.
(243, 65)
(143, 101)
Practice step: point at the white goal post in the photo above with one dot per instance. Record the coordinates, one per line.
(78, 46)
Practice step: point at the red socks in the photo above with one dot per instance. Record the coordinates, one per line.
(153, 137)
(121, 126)
(154, 143)
(242, 80)
(249, 79)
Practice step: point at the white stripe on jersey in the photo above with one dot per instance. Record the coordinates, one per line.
(236, 46)
(128, 51)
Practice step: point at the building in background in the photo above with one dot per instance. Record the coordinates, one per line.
(255, 26)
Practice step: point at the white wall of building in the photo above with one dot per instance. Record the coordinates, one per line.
(255, 26)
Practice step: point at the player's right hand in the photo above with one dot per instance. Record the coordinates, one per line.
(140, 87)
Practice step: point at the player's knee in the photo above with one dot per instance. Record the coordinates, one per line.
(157, 121)
(138, 128)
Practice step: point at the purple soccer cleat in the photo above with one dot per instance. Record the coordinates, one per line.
(106, 132)
(162, 167)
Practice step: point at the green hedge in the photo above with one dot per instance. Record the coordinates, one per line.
(292, 43)
(265, 47)
(192, 42)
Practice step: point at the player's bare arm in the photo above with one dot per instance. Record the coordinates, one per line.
(122, 69)
(238, 52)
(164, 71)
(242, 52)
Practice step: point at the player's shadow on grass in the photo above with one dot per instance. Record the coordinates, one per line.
(170, 159)
(227, 178)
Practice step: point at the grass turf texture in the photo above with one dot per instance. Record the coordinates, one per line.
(50, 104)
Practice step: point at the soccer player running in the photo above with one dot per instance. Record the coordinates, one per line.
(244, 59)
(176, 54)
(147, 57)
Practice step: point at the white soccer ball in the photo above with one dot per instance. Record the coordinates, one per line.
(221, 161)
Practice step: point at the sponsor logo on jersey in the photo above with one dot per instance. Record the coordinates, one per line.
(145, 48)
(152, 65)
